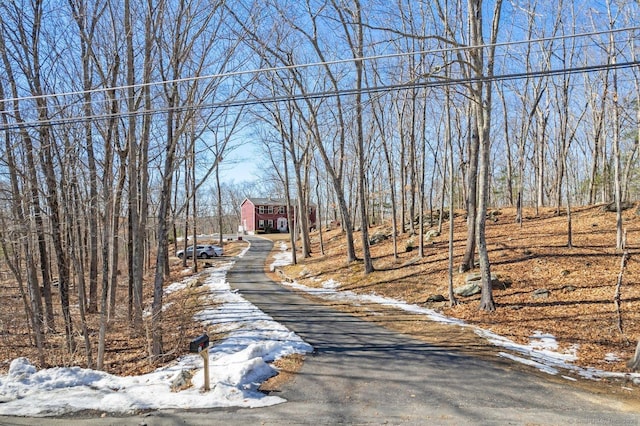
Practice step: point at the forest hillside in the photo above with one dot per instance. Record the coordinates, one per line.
(540, 285)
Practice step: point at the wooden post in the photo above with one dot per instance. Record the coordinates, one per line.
(205, 357)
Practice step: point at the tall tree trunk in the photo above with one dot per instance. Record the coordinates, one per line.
(319, 214)
(46, 160)
(115, 238)
(194, 198)
(378, 111)
(107, 220)
(32, 302)
(33, 73)
(290, 223)
(86, 29)
(78, 265)
(136, 250)
(56, 229)
(541, 156)
(596, 180)
(219, 202)
(158, 283)
(481, 95)
(631, 158)
(302, 205)
(358, 54)
(449, 154)
(38, 318)
(507, 144)
(617, 188)
(468, 260)
(422, 192)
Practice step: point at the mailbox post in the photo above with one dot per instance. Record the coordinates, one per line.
(201, 345)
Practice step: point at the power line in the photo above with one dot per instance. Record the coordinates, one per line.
(322, 63)
(326, 94)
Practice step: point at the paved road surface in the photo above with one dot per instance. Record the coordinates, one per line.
(361, 373)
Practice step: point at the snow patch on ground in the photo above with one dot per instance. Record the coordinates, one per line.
(611, 357)
(238, 365)
(542, 351)
(331, 284)
(283, 257)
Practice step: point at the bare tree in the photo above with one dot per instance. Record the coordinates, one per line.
(285, 58)
(617, 187)
(33, 188)
(379, 116)
(187, 42)
(32, 298)
(355, 41)
(481, 93)
(472, 145)
(136, 168)
(86, 20)
(449, 148)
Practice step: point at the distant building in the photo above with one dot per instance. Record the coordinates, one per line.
(259, 215)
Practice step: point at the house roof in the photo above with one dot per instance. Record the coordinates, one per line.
(271, 201)
(267, 201)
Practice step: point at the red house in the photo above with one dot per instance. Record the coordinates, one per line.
(268, 215)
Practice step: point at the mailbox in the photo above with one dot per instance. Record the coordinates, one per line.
(199, 343)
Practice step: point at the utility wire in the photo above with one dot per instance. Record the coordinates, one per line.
(430, 81)
(322, 63)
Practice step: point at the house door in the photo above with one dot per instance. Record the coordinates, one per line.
(282, 224)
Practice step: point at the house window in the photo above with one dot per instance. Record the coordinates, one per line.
(261, 224)
(270, 223)
(261, 209)
(270, 209)
(282, 208)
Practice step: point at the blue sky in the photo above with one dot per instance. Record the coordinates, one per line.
(240, 166)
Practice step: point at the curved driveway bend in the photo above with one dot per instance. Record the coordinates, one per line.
(361, 373)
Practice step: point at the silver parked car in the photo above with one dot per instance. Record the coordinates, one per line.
(202, 252)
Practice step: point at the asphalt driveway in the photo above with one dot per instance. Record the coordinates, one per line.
(361, 373)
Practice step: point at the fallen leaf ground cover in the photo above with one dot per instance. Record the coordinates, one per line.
(580, 281)
(126, 352)
(580, 308)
